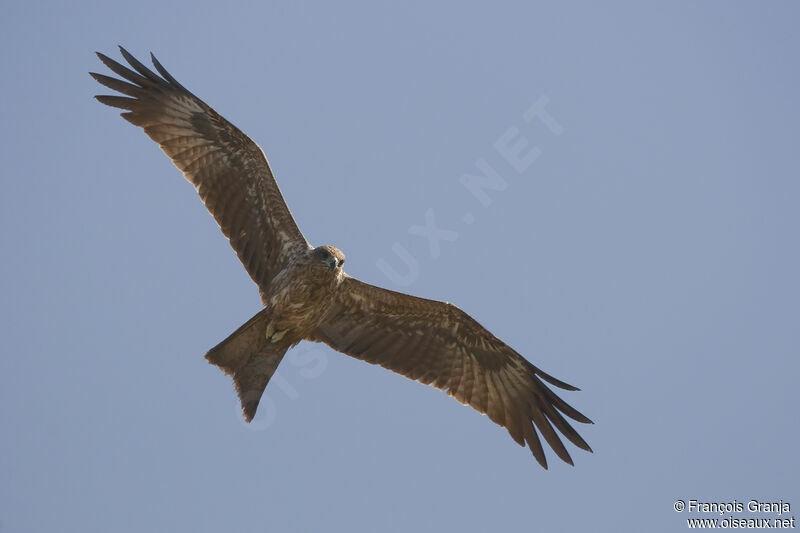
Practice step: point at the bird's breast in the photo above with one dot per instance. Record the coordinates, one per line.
(300, 297)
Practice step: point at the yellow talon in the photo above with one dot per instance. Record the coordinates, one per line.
(272, 335)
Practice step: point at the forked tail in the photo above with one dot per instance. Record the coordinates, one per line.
(250, 360)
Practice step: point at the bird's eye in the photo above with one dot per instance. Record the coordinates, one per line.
(341, 262)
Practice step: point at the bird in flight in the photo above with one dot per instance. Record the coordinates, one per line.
(306, 293)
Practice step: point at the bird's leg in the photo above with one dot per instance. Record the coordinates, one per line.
(278, 335)
(274, 335)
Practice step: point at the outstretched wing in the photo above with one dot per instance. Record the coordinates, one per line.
(438, 344)
(229, 170)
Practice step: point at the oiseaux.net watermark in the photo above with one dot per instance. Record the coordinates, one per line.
(735, 514)
(512, 154)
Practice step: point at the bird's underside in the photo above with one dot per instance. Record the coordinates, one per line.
(307, 295)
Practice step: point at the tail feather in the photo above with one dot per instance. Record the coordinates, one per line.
(236, 350)
(251, 379)
(250, 360)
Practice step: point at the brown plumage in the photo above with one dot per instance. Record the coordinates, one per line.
(307, 295)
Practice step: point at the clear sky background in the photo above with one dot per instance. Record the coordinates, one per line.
(648, 255)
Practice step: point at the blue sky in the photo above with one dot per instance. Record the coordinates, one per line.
(648, 254)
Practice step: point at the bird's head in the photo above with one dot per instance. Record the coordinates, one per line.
(331, 256)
